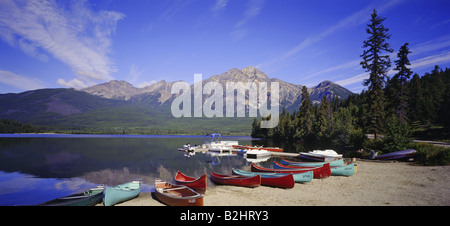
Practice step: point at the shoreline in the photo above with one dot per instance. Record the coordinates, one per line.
(376, 183)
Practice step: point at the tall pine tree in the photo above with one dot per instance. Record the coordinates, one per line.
(401, 79)
(377, 64)
(305, 115)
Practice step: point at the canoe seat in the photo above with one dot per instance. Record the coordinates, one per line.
(170, 189)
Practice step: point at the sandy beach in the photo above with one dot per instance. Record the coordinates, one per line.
(375, 184)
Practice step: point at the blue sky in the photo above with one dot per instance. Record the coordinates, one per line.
(54, 44)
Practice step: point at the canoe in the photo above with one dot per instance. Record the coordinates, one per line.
(177, 195)
(338, 162)
(406, 154)
(121, 193)
(88, 198)
(298, 177)
(285, 180)
(318, 172)
(197, 184)
(321, 156)
(236, 180)
(346, 170)
(278, 179)
(247, 147)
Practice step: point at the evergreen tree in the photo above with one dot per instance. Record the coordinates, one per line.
(377, 65)
(256, 127)
(324, 119)
(416, 99)
(305, 115)
(400, 81)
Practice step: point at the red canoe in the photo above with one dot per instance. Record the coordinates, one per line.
(177, 195)
(280, 180)
(275, 149)
(319, 172)
(236, 180)
(198, 184)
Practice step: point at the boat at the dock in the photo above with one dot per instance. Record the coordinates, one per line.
(215, 141)
(188, 148)
(121, 193)
(236, 180)
(319, 155)
(318, 172)
(88, 198)
(197, 184)
(256, 153)
(177, 195)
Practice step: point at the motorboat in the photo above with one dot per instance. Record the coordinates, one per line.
(216, 141)
(321, 155)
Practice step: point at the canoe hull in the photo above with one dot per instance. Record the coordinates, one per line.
(346, 170)
(398, 155)
(236, 180)
(318, 172)
(88, 198)
(338, 162)
(270, 179)
(177, 195)
(121, 193)
(197, 184)
(318, 157)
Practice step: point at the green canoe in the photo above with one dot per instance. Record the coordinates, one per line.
(346, 170)
(121, 193)
(87, 198)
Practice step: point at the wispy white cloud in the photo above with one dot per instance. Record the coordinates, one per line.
(134, 73)
(173, 9)
(72, 33)
(146, 83)
(443, 57)
(355, 79)
(347, 65)
(431, 45)
(74, 83)
(219, 5)
(254, 8)
(20, 81)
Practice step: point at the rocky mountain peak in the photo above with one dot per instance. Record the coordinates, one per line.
(255, 74)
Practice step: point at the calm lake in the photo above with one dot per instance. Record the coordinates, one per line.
(35, 168)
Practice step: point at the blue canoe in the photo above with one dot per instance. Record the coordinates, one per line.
(121, 193)
(298, 177)
(398, 155)
(339, 162)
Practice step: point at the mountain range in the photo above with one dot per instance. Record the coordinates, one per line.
(119, 107)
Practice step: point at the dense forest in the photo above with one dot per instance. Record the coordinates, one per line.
(10, 126)
(394, 109)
